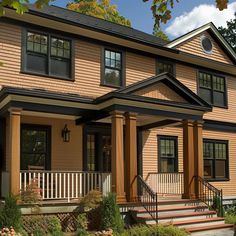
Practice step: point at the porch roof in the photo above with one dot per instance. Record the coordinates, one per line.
(86, 109)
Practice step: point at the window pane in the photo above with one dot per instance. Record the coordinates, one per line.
(220, 169)
(205, 94)
(167, 165)
(60, 47)
(112, 59)
(208, 152)
(91, 152)
(60, 67)
(36, 63)
(164, 67)
(205, 80)
(219, 98)
(37, 43)
(208, 168)
(112, 77)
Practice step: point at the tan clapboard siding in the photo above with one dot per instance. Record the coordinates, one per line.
(64, 156)
(150, 148)
(161, 91)
(138, 67)
(193, 46)
(227, 186)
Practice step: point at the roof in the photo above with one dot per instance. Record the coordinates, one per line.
(210, 27)
(82, 20)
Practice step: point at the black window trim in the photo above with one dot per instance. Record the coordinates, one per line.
(167, 61)
(48, 129)
(227, 178)
(123, 67)
(175, 138)
(49, 34)
(225, 84)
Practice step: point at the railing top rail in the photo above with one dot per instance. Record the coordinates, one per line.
(206, 183)
(164, 173)
(146, 185)
(63, 172)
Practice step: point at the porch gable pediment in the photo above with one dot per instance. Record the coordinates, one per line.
(164, 87)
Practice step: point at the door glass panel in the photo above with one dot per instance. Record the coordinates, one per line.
(33, 148)
(91, 152)
(106, 153)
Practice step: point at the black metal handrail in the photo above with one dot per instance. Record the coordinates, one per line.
(148, 198)
(210, 195)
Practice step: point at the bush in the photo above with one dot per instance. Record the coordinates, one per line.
(110, 215)
(54, 227)
(230, 219)
(82, 225)
(154, 231)
(10, 214)
(91, 201)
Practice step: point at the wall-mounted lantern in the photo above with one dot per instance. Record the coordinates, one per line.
(65, 133)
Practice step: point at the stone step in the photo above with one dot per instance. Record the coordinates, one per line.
(209, 227)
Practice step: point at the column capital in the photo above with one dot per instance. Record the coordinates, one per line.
(15, 110)
(131, 115)
(117, 114)
(188, 122)
(199, 123)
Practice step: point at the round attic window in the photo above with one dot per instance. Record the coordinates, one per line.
(206, 44)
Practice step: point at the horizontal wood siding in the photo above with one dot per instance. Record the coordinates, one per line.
(64, 156)
(161, 91)
(150, 148)
(193, 46)
(227, 186)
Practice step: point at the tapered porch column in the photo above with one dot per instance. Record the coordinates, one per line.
(188, 156)
(117, 166)
(198, 153)
(131, 156)
(14, 148)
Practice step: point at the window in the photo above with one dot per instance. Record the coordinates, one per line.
(168, 154)
(215, 154)
(212, 89)
(113, 69)
(35, 147)
(164, 66)
(48, 55)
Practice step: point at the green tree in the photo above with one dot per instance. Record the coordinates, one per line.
(229, 32)
(157, 31)
(99, 8)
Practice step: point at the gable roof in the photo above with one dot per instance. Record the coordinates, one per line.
(207, 27)
(82, 20)
(170, 81)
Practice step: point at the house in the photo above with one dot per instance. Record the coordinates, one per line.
(88, 104)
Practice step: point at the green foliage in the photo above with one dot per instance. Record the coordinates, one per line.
(54, 227)
(82, 221)
(10, 214)
(38, 232)
(99, 8)
(159, 33)
(229, 32)
(230, 219)
(81, 232)
(91, 201)
(154, 231)
(110, 213)
(217, 206)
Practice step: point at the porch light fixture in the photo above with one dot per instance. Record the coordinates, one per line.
(65, 134)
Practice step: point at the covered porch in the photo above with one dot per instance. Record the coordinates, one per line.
(106, 140)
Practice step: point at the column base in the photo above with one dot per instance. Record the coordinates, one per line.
(189, 196)
(121, 199)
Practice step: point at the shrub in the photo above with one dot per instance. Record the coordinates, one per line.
(230, 219)
(157, 230)
(54, 226)
(38, 232)
(31, 195)
(10, 214)
(91, 201)
(110, 215)
(82, 225)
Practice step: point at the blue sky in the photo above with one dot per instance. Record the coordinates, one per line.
(187, 14)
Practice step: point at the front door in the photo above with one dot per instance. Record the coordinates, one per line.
(97, 150)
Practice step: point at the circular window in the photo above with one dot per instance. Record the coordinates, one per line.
(206, 44)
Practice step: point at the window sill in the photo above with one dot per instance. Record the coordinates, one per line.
(217, 179)
(48, 76)
(223, 107)
(111, 86)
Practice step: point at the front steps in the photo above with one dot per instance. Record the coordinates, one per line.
(192, 215)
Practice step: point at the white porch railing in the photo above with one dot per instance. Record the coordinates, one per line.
(166, 183)
(67, 185)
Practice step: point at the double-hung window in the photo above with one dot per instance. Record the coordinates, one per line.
(113, 68)
(168, 154)
(47, 54)
(215, 154)
(212, 89)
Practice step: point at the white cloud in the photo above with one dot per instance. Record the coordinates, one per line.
(199, 16)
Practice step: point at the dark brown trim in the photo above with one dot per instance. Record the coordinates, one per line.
(158, 124)
(165, 60)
